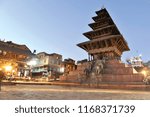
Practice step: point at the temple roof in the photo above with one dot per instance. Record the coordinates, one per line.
(101, 10)
(52, 54)
(91, 34)
(101, 22)
(126, 48)
(104, 35)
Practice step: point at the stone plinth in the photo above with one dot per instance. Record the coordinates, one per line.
(114, 71)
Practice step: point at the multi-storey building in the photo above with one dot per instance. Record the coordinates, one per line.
(68, 65)
(47, 64)
(12, 58)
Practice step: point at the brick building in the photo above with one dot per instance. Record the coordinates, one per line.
(68, 65)
(12, 58)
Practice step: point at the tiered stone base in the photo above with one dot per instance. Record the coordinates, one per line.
(114, 72)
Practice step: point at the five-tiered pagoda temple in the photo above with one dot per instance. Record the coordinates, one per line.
(104, 47)
(105, 40)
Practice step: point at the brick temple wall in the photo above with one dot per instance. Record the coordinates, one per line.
(114, 71)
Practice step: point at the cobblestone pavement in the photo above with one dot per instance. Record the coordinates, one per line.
(51, 92)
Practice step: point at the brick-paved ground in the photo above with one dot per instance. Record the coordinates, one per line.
(51, 92)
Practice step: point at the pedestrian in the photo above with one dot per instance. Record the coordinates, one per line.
(1, 76)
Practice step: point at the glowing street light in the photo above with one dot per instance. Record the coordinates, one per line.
(8, 68)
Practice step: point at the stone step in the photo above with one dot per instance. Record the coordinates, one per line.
(76, 72)
(81, 68)
(123, 83)
(118, 71)
(63, 78)
(114, 65)
(122, 78)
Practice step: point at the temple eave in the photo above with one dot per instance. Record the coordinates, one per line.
(87, 47)
(83, 48)
(107, 30)
(102, 38)
(104, 50)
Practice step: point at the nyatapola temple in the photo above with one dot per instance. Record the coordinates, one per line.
(104, 47)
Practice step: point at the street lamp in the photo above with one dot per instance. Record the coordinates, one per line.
(8, 68)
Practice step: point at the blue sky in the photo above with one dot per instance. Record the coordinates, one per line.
(57, 25)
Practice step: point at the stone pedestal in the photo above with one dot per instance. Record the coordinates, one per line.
(114, 71)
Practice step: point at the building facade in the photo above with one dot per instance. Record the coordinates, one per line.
(12, 58)
(47, 64)
(68, 65)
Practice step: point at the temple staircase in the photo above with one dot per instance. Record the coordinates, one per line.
(114, 72)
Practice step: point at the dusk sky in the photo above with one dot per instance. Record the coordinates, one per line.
(56, 26)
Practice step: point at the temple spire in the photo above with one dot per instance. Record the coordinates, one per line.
(103, 7)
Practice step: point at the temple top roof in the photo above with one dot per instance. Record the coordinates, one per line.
(103, 9)
(102, 20)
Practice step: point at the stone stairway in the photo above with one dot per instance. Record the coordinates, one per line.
(114, 72)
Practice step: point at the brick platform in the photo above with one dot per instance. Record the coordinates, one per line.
(114, 72)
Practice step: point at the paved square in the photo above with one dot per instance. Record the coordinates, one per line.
(51, 92)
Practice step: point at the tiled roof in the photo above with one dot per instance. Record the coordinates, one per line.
(16, 48)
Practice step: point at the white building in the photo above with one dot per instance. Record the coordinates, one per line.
(47, 64)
